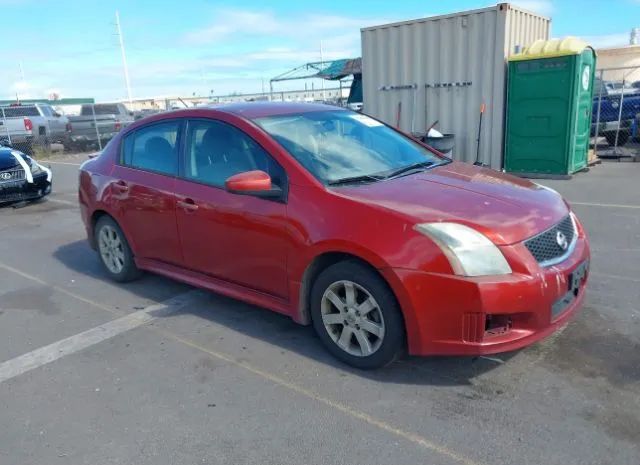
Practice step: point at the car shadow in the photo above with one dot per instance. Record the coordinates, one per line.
(282, 332)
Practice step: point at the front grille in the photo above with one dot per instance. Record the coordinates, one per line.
(546, 248)
(12, 175)
(17, 196)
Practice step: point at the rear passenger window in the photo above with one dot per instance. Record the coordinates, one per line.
(153, 148)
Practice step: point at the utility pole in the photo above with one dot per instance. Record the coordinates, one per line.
(124, 59)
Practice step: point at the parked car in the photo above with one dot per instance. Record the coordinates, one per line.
(144, 113)
(606, 88)
(103, 120)
(612, 120)
(22, 177)
(22, 126)
(339, 221)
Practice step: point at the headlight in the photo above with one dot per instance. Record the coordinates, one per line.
(35, 168)
(469, 252)
(33, 164)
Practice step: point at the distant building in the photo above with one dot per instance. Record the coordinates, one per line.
(334, 94)
(307, 95)
(620, 57)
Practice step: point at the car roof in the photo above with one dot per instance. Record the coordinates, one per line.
(245, 110)
(253, 110)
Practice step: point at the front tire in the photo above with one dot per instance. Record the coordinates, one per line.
(114, 251)
(356, 316)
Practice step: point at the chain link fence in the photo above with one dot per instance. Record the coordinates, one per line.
(40, 129)
(615, 128)
(22, 127)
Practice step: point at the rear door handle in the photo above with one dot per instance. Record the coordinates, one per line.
(188, 205)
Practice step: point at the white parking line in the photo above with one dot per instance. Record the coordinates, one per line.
(60, 163)
(52, 352)
(605, 205)
(616, 276)
(231, 359)
(63, 202)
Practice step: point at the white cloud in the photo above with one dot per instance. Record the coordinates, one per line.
(26, 90)
(233, 50)
(542, 7)
(239, 24)
(229, 22)
(607, 40)
(269, 44)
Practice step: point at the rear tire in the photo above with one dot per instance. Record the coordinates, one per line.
(356, 315)
(623, 137)
(114, 251)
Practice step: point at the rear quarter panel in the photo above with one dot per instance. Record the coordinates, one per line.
(94, 192)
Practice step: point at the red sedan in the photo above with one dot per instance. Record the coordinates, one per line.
(339, 221)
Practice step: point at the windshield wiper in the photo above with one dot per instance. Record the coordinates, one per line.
(406, 169)
(355, 179)
(421, 166)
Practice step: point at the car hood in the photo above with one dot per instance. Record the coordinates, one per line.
(505, 208)
(7, 160)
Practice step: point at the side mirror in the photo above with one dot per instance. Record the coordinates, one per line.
(56, 114)
(256, 183)
(131, 113)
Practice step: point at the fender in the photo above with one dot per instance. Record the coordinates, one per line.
(299, 284)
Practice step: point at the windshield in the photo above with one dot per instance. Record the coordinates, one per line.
(344, 145)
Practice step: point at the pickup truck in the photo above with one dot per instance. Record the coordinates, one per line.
(100, 120)
(23, 126)
(610, 114)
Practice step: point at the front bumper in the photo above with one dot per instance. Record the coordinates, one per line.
(16, 191)
(455, 315)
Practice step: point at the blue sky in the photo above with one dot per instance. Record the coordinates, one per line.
(195, 46)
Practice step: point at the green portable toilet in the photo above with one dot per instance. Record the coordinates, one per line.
(549, 101)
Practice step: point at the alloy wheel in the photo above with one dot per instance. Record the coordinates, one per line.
(352, 318)
(111, 249)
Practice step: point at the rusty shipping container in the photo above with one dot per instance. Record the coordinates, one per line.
(443, 68)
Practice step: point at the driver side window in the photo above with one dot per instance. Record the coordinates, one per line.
(216, 151)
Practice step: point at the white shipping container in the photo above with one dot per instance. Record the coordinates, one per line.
(443, 68)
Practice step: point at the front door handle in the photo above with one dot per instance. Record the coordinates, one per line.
(121, 186)
(188, 205)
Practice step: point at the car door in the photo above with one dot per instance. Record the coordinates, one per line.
(55, 130)
(143, 190)
(47, 116)
(237, 238)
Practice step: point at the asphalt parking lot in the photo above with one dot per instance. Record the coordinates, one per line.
(156, 372)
